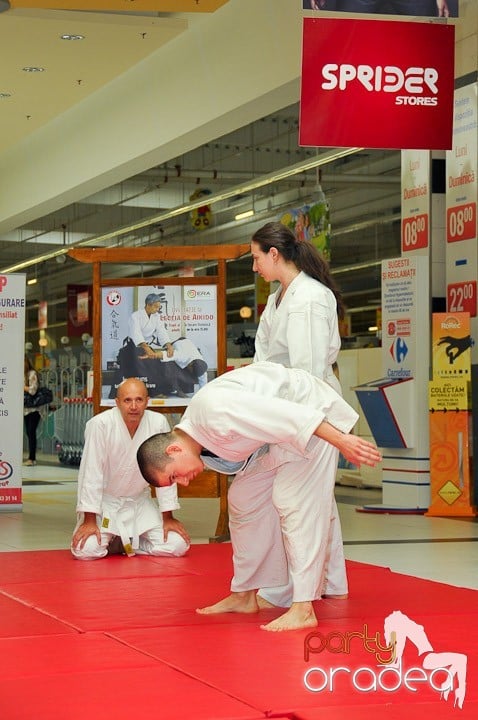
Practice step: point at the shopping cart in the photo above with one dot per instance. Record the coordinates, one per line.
(70, 420)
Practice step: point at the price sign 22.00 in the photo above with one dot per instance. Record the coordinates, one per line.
(461, 297)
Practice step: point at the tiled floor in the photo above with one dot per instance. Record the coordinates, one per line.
(441, 549)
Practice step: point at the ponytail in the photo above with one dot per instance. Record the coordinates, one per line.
(302, 253)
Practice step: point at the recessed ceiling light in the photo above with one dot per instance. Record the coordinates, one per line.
(4, 95)
(72, 37)
(33, 69)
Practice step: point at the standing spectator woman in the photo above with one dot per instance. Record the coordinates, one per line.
(31, 415)
(299, 329)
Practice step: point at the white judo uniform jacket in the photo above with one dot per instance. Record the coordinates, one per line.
(263, 403)
(110, 483)
(302, 332)
(148, 328)
(281, 505)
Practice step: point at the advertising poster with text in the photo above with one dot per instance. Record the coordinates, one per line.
(461, 195)
(404, 314)
(451, 346)
(12, 341)
(79, 302)
(165, 335)
(415, 200)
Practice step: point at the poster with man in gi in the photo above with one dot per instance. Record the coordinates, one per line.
(166, 335)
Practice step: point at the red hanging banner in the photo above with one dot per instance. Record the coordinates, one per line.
(377, 84)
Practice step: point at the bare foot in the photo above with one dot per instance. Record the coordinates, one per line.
(264, 604)
(336, 597)
(240, 602)
(299, 616)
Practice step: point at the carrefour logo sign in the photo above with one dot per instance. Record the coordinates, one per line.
(399, 350)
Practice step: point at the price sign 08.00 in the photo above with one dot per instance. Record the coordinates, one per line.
(461, 222)
(414, 232)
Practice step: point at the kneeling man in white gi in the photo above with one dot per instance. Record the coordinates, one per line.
(270, 426)
(116, 512)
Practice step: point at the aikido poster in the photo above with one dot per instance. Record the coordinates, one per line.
(184, 315)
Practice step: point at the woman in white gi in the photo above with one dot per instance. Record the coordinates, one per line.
(114, 501)
(276, 424)
(299, 329)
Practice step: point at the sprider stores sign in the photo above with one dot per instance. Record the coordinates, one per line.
(377, 84)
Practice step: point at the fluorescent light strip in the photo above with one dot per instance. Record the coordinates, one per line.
(244, 215)
(271, 178)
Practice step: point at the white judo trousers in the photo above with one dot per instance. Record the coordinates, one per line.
(125, 518)
(110, 485)
(282, 509)
(283, 517)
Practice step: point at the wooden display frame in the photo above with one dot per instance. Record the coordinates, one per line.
(208, 484)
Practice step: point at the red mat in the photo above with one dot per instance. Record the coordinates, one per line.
(248, 654)
(387, 711)
(122, 694)
(46, 565)
(135, 602)
(122, 636)
(65, 654)
(18, 620)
